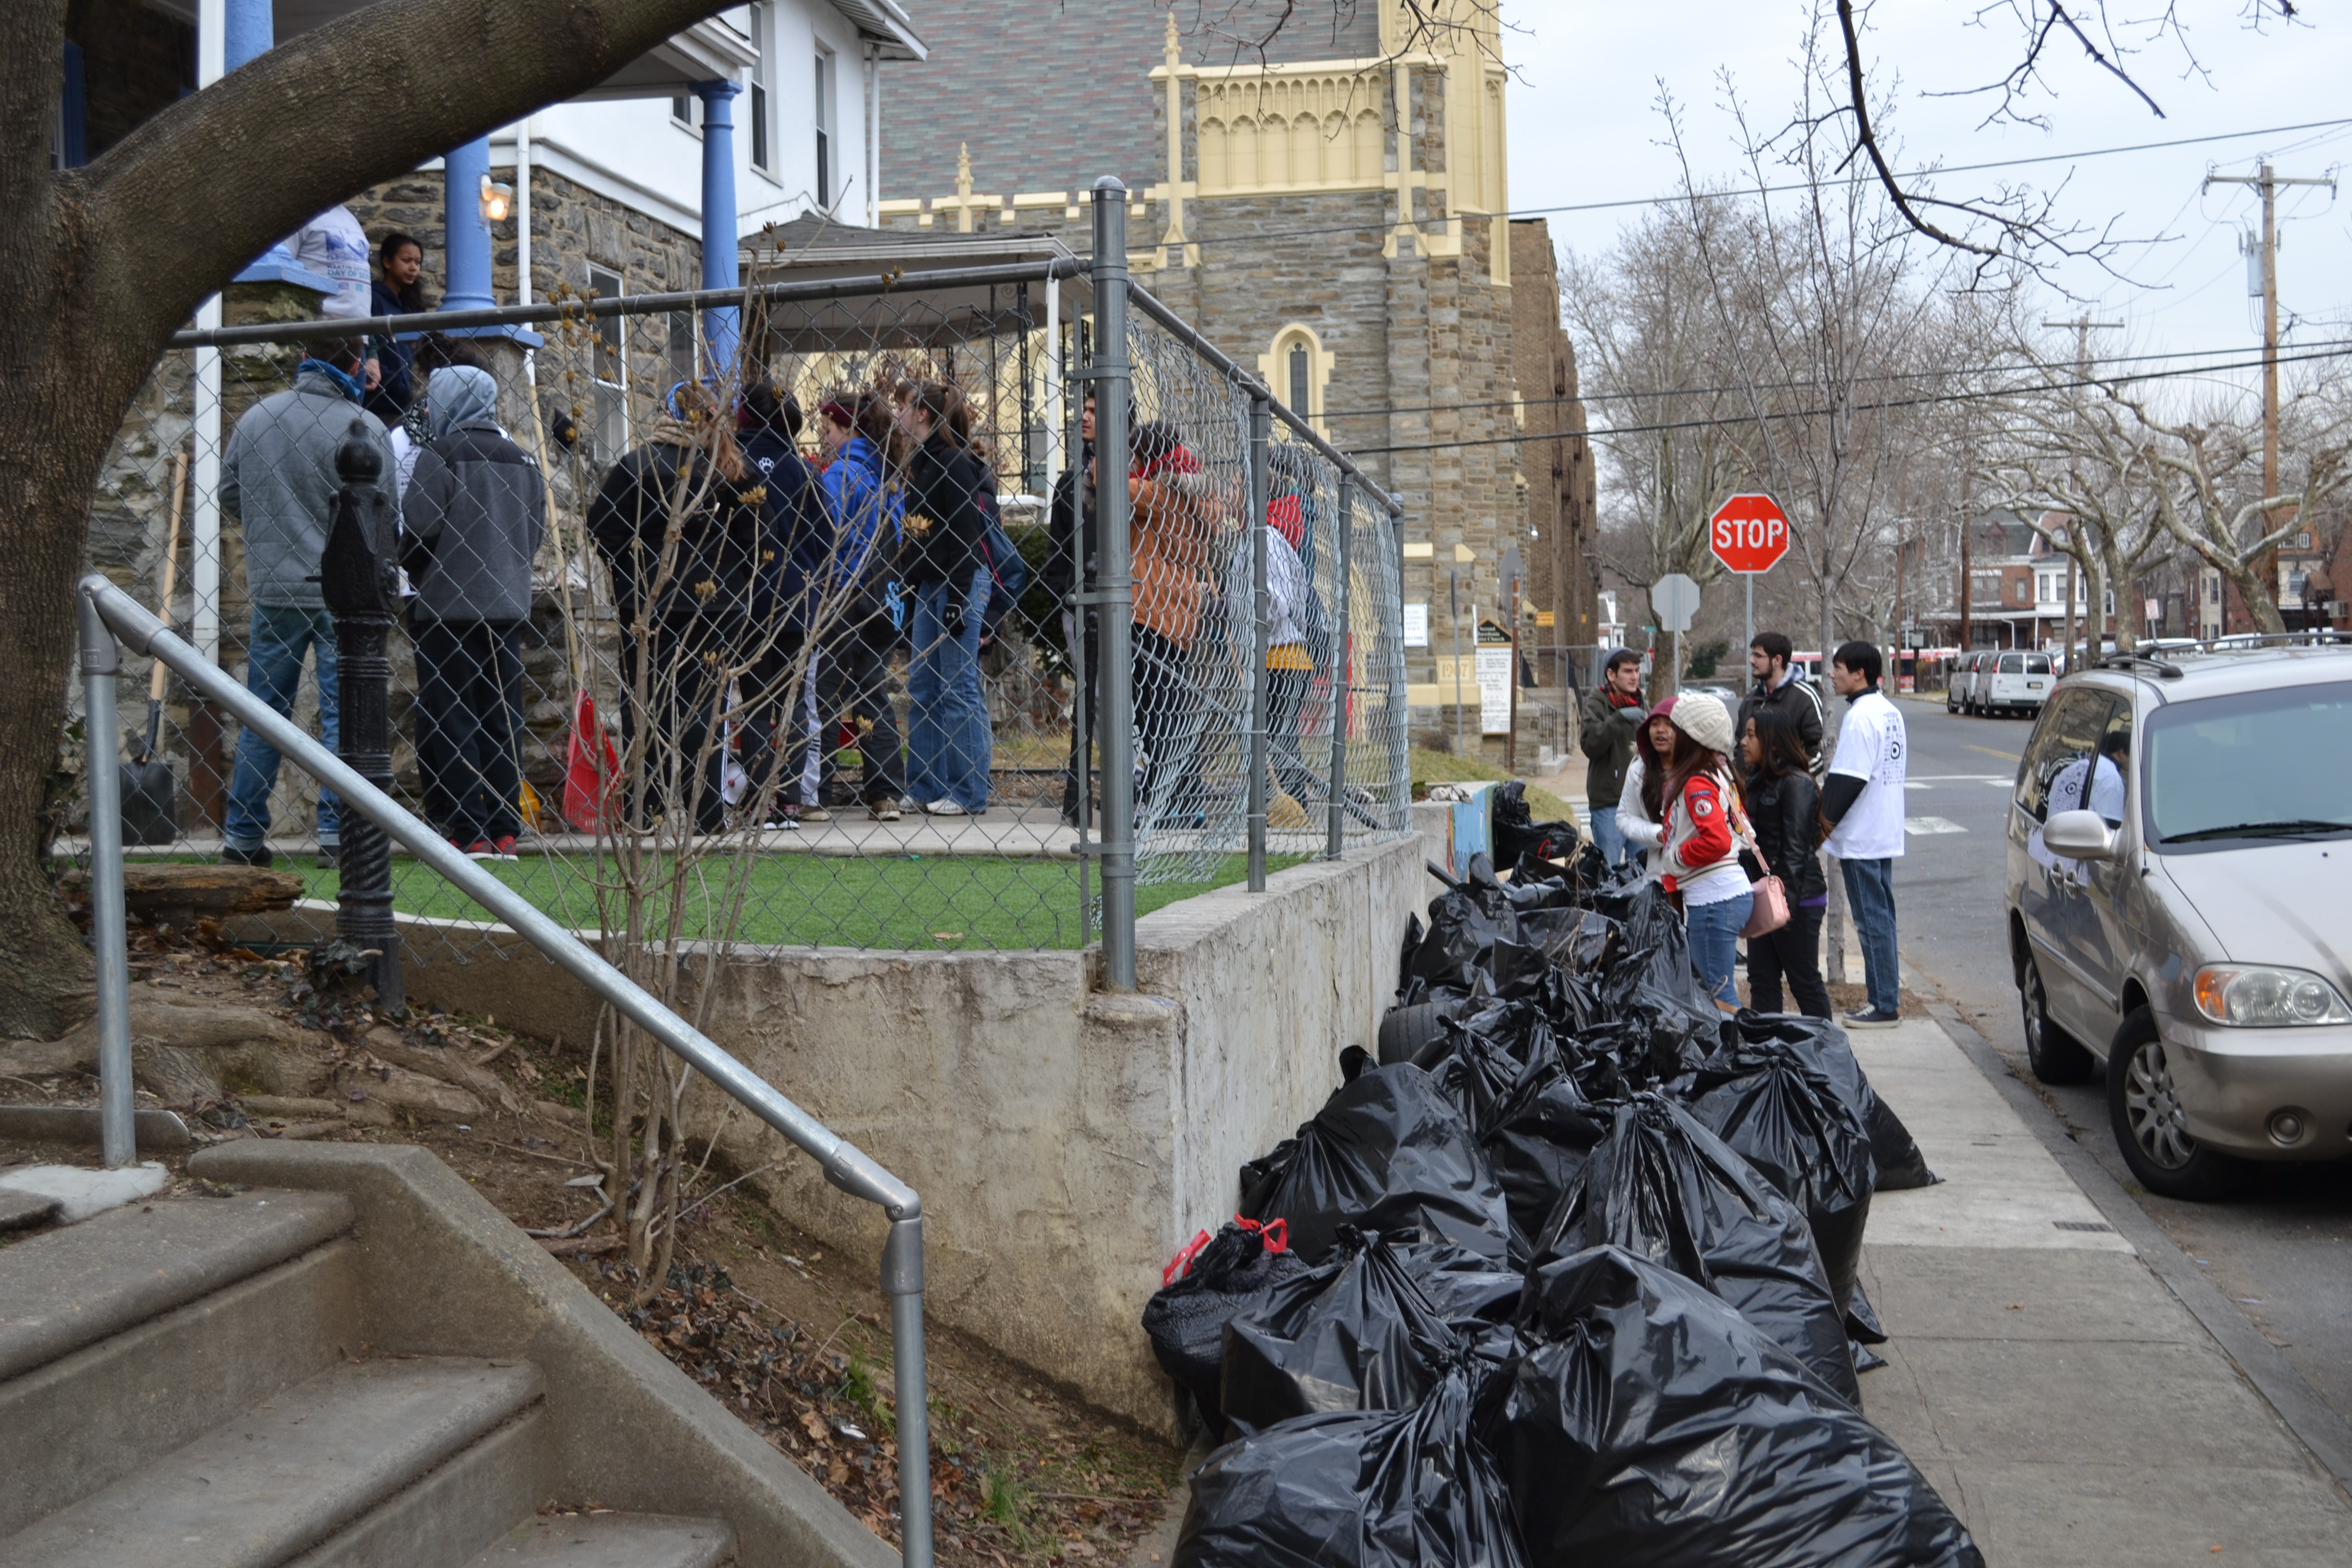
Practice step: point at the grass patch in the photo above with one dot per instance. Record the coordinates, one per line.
(1431, 767)
(934, 902)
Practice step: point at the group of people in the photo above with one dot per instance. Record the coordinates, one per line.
(1194, 614)
(1714, 801)
(754, 587)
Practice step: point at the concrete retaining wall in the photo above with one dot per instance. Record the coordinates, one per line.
(1066, 1141)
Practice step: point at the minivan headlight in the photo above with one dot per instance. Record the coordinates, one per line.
(2255, 997)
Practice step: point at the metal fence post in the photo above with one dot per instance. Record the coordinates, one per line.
(902, 1281)
(101, 665)
(359, 575)
(1400, 725)
(1343, 638)
(1113, 382)
(1261, 436)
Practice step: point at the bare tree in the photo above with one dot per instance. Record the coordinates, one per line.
(2081, 450)
(1643, 326)
(2215, 507)
(99, 265)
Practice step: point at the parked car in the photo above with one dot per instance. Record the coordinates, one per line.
(1963, 682)
(2178, 886)
(2013, 682)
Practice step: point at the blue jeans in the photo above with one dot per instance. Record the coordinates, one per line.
(949, 742)
(1612, 843)
(1870, 893)
(273, 673)
(1715, 944)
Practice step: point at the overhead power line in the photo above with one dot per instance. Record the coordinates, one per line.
(1786, 385)
(1623, 202)
(1926, 400)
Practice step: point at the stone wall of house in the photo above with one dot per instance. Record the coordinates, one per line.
(1557, 473)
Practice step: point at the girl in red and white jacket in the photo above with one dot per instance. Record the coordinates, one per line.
(1706, 828)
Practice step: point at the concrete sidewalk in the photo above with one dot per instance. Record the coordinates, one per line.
(2043, 1376)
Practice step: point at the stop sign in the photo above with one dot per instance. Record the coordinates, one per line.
(1748, 533)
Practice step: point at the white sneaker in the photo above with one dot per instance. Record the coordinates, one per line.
(882, 810)
(946, 808)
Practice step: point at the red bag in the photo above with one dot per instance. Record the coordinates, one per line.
(592, 770)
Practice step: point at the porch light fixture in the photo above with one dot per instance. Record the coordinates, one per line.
(498, 201)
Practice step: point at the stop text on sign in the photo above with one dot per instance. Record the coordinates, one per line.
(1748, 533)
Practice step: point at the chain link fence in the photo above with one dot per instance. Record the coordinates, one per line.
(768, 618)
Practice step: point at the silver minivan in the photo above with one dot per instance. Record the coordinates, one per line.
(2178, 886)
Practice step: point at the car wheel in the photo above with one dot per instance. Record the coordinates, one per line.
(2150, 1128)
(2055, 1056)
(1406, 1032)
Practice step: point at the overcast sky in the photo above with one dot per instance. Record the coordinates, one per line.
(1584, 129)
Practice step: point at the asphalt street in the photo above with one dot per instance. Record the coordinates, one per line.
(2284, 1252)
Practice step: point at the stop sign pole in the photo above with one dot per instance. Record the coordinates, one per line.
(1748, 533)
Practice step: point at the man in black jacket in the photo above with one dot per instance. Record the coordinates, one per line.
(1607, 725)
(1778, 685)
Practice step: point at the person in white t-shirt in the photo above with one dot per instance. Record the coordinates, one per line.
(1861, 799)
(333, 246)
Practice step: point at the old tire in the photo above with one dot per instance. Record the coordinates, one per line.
(1405, 1031)
(2149, 1125)
(2055, 1056)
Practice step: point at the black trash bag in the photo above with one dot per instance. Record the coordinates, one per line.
(1864, 1358)
(1898, 1160)
(1467, 1289)
(1368, 1337)
(1387, 1152)
(1415, 933)
(1464, 924)
(1862, 1323)
(1778, 1107)
(1238, 1271)
(1652, 982)
(1532, 1120)
(1648, 1424)
(1375, 1488)
(1518, 838)
(1662, 1186)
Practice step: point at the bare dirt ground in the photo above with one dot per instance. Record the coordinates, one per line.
(789, 1334)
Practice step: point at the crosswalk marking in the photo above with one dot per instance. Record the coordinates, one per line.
(1931, 825)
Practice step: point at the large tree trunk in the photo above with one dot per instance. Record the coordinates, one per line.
(99, 265)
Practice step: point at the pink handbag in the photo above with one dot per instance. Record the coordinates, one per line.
(1770, 911)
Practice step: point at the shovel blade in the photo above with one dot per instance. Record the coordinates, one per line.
(150, 800)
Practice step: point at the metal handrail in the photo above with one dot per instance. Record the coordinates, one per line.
(107, 616)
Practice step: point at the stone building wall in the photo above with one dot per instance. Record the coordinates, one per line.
(1059, 91)
(1556, 472)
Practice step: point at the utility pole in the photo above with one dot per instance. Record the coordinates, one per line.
(2268, 182)
(1968, 526)
(2094, 629)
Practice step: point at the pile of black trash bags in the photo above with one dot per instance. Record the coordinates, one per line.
(1565, 1278)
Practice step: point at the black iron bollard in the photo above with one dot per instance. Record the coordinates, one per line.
(360, 578)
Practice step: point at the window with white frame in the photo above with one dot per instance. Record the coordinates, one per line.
(763, 36)
(609, 366)
(823, 104)
(681, 110)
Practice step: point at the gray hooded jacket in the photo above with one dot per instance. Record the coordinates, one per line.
(278, 477)
(476, 509)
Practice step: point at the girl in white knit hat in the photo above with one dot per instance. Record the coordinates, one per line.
(1706, 827)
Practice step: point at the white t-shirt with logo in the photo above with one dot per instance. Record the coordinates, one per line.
(333, 245)
(1872, 747)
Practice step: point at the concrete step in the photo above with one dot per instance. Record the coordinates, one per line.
(87, 1420)
(612, 1541)
(295, 1472)
(74, 1287)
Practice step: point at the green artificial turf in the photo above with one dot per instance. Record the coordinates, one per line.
(935, 902)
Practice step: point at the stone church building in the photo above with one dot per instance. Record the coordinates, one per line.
(1331, 211)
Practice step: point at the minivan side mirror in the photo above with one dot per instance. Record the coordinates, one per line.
(2079, 836)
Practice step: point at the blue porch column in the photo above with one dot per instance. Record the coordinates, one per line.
(249, 30)
(467, 244)
(720, 325)
(468, 256)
